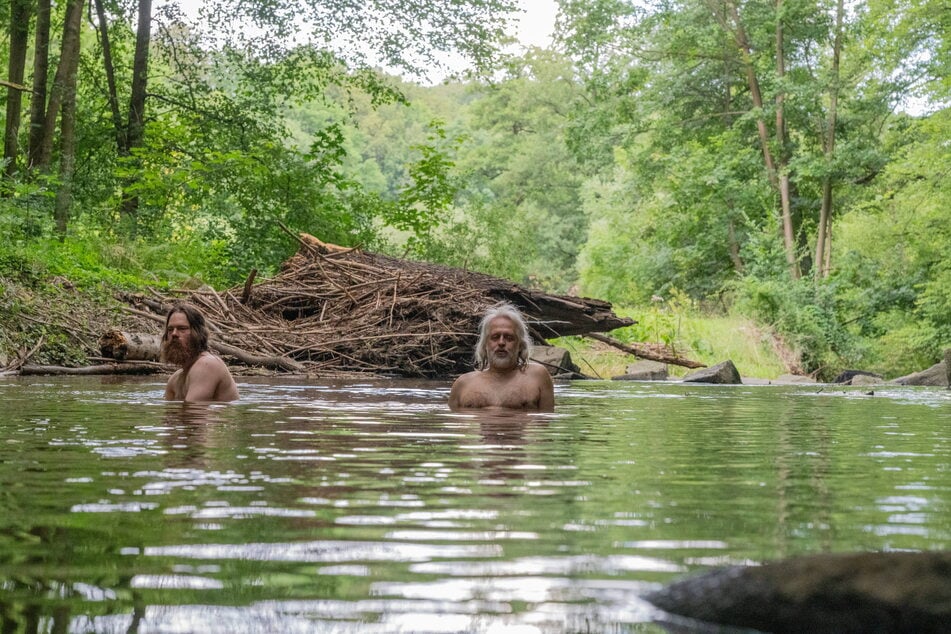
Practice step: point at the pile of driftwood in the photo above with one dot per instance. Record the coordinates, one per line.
(334, 311)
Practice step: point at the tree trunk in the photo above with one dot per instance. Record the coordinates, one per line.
(109, 67)
(74, 10)
(69, 63)
(746, 55)
(126, 346)
(785, 197)
(776, 166)
(734, 246)
(41, 63)
(108, 368)
(651, 352)
(19, 37)
(823, 233)
(140, 75)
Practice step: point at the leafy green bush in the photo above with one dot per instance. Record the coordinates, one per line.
(804, 313)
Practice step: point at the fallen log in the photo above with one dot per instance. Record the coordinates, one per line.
(273, 363)
(130, 346)
(134, 346)
(106, 368)
(651, 352)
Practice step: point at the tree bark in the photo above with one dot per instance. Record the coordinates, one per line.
(776, 165)
(823, 233)
(109, 67)
(140, 74)
(19, 38)
(69, 61)
(125, 346)
(74, 10)
(785, 196)
(41, 62)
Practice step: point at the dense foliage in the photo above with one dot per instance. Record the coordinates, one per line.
(785, 160)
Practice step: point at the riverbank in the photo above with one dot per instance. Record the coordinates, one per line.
(53, 321)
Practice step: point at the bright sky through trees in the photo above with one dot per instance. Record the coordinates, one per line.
(534, 25)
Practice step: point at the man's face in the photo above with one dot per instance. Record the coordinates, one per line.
(178, 345)
(502, 345)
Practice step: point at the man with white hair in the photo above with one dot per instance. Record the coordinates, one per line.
(505, 378)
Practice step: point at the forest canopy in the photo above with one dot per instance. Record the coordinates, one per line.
(785, 160)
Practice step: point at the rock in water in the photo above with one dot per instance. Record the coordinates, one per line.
(842, 593)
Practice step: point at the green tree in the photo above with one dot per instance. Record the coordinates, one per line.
(523, 196)
(719, 79)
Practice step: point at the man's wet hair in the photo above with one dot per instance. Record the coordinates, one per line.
(196, 321)
(503, 309)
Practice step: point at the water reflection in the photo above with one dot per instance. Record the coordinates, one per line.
(371, 507)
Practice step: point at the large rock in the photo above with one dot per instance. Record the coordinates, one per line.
(947, 365)
(644, 371)
(866, 379)
(723, 373)
(793, 379)
(846, 376)
(843, 593)
(557, 360)
(935, 376)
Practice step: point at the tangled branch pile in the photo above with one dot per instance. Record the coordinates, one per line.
(335, 310)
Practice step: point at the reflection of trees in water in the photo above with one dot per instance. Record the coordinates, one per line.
(813, 444)
(32, 604)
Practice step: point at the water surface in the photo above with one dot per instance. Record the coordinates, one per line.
(369, 507)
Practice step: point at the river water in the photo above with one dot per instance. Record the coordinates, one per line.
(369, 507)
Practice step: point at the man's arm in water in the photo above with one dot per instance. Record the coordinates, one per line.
(170, 387)
(546, 388)
(456, 391)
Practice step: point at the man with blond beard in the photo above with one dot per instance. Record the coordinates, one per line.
(505, 378)
(203, 377)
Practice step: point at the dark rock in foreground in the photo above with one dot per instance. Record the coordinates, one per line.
(722, 373)
(842, 593)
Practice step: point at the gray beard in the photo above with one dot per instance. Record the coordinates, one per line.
(180, 354)
(503, 364)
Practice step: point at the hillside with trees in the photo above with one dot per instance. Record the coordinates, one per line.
(783, 161)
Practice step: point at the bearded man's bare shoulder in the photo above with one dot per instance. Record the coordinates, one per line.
(533, 368)
(467, 378)
(208, 361)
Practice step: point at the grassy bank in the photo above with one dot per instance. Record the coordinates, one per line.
(709, 339)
